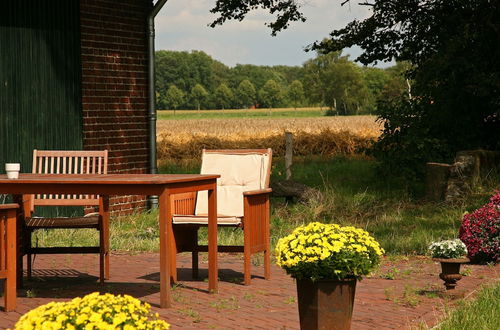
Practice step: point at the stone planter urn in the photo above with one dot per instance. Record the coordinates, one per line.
(450, 271)
(326, 304)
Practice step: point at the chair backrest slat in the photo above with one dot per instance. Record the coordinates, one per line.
(68, 162)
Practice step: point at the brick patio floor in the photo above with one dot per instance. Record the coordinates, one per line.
(403, 293)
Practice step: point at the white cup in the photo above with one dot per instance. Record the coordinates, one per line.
(12, 170)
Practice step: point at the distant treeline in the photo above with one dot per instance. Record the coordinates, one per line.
(194, 80)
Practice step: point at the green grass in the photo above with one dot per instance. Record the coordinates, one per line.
(482, 313)
(239, 113)
(352, 193)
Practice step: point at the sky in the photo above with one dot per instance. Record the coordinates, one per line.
(183, 25)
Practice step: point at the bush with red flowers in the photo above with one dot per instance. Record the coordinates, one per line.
(480, 232)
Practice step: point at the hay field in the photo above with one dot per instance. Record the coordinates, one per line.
(181, 139)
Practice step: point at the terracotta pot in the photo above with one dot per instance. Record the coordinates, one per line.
(326, 304)
(450, 271)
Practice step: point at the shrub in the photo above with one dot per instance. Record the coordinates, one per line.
(94, 311)
(480, 231)
(328, 251)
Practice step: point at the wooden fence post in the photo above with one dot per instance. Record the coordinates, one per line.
(288, 154)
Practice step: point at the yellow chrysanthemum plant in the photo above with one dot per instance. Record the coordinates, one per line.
(319, 251)
(94, 311)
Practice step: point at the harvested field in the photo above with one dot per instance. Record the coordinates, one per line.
(184, 139)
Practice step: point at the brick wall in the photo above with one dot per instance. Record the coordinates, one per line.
(114, 86)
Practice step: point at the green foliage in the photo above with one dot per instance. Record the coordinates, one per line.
(481, 313)
(198, 95)
(285, 10)
(375, 79)
(271, 94)
(455, 91)
(174, 97)
(336, 82)
(407, 142)
(296, 93)
(187, 69)
(223, 96)
(257, 74)
(246, 93)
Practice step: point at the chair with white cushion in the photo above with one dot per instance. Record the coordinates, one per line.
(242, 201)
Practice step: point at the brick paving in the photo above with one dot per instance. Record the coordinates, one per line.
(404, 293)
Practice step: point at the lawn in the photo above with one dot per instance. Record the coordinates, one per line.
(483, 313)
(351, 193)
(238, 113)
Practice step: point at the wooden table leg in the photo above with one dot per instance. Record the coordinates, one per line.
(10, 281)
(104, 258)
(165, 212)
(212, 239)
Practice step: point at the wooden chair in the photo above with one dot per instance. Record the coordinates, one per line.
(69, 163)
(8, 214)
(242, 201)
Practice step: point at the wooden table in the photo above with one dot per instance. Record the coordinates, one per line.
(162, 185)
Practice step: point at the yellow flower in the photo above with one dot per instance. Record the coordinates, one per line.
(315, 242)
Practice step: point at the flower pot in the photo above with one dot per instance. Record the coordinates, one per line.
(326, 304)
(12, 170)
(450, 271)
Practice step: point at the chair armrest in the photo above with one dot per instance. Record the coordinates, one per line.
(257, 192)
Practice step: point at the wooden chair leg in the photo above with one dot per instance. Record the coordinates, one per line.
(267, 264)
(246, 267)
(194, 264)
(246, 254)
(104, 257)
(19, 269)
(102, 253)
(28, 265)
(101, 267)
(106, 265)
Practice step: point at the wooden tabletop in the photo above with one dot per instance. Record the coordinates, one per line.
(107, 178)
(9, 206)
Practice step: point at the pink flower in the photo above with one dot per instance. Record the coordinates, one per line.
(480, 231)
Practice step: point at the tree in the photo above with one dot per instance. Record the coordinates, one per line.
(453, 98)
(375, 80)
(271, 94)
(246, 93)
(198, 95)
(223, 96)
(335, 81)
(296, 93)
(186, 69)
(452, 47)
(174, 97)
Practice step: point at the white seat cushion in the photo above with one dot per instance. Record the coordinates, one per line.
(239, 173)
(203, 220)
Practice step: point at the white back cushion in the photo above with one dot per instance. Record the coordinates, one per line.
(239, 173)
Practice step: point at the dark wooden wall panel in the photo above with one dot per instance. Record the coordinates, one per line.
(40, 78)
